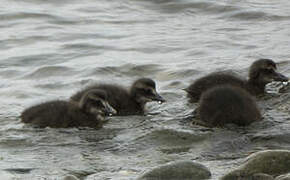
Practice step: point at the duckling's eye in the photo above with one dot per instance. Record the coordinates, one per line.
(97, 103)
(269, 71)
(148, 91)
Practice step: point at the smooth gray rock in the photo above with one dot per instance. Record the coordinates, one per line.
(186, 170)
(270, 162)
(238, 175)
(261, 176)
(70, 177)
(283, 177)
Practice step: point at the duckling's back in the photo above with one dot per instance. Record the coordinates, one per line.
(195, 90)
(118, 97)
(58, 114)
(228, 104)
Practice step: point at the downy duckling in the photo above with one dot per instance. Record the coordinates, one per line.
(89, 112)
(126, 102)
(228, 104)
(261, 72)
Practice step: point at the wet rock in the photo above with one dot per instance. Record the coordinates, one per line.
(271, 162)
(261, 176)
(70, 177)
(114, 175)
(239, 175)
(283, 177)
(177, 170)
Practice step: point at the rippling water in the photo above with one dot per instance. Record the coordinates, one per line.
(51, 49)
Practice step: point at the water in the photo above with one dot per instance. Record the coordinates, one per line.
(51, 49)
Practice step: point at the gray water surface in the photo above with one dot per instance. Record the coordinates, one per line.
(51, 49)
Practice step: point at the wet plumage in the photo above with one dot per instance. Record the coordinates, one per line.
(262, 72)
(127, 102)
(228, 104)
(89, 112)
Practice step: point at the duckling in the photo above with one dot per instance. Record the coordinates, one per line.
(261, 72)
(89, 112)
(126, 102)
(225, 104)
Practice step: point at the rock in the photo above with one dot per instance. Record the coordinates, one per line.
(70, 177)
(242, 176)
(123, 174)
(271, 162)
(283, 177)
(261, 176)
(177, 170)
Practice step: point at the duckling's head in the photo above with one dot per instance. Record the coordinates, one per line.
(144, 90)
(263, 71)
(95, 102)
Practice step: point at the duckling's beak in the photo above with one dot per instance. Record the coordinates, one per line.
(157, 98)
(280, 77)
(186, 90)
(109, 110)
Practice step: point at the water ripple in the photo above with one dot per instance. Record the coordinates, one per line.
(49, 71)
(51, 49)
(130, 70)
(26, 15)
(254, 15)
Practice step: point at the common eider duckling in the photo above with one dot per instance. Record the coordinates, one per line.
(89, 112)
(228, 104)
(126, 102)
(261, 72)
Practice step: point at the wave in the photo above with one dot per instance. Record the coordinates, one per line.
(49, 71)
